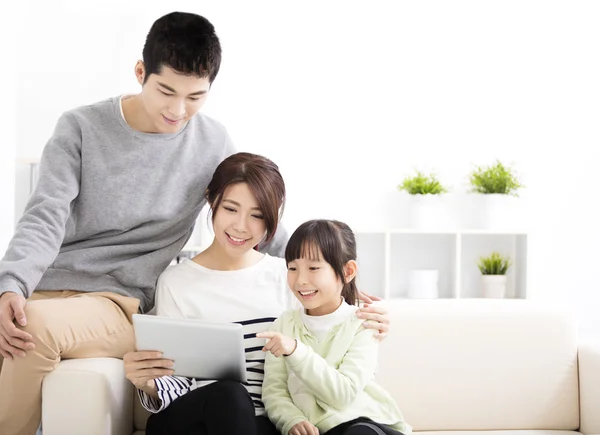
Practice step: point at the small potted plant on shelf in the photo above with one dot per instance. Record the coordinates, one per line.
(426, 206)
(495, 179)
(493, 270)
(496, 191)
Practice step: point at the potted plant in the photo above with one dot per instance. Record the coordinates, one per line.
(496, 189)
(425, 205)
(495, 179)
(421, 184)
(493, 270)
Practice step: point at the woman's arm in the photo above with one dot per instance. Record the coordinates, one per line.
(164, 392)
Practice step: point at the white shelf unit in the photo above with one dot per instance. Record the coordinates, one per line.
(386, 258)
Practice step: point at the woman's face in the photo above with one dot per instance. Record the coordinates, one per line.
(238, 223)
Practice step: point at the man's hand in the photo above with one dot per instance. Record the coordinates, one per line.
(141, 368)
(376, 317)
(304, 428)
(277, 343)
(13, 341)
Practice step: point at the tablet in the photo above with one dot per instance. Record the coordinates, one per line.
(199, 349)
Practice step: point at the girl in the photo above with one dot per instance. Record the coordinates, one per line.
(319, 375)
(230, 281)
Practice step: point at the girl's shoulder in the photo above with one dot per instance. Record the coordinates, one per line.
(289, 320)
(347, 324)
(290, 316)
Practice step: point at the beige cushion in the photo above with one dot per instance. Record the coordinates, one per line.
(87, 396)
(482, 365)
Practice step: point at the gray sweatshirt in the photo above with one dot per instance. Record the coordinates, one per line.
(113, 206)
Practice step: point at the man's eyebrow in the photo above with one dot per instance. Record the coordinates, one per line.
(169, 88)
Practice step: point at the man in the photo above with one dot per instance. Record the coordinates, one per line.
(120, 186)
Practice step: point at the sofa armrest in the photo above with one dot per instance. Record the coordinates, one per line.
(589, 387)
(87, 396)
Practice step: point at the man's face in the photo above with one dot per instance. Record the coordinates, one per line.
(170, 99)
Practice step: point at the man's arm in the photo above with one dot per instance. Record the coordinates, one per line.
(41, 229)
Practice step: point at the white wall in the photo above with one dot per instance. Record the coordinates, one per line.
(348, 96)
(8, 109)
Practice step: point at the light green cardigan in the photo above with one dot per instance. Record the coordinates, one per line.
(329, 381)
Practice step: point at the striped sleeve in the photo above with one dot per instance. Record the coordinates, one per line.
(168, 388)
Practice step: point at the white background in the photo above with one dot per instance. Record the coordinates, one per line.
(348, 97)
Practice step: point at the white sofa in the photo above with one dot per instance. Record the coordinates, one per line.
(452, 366)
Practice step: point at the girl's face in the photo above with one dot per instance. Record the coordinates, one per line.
(238, 223)
(315, 284)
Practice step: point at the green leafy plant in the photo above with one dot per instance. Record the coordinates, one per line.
(495, 264)
(421, 184)
(495, 179)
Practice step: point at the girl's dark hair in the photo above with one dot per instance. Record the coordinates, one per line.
(332, 239)
(184, 42)
(263, 179)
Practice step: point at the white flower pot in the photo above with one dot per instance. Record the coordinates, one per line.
(492, 212)
(427, 212)
(423, 284)
(494, 286)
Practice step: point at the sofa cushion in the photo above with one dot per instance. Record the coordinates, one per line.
(87, 396)
(481, 365)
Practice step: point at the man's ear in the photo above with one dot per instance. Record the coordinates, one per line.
(140, 72)
(350, 271)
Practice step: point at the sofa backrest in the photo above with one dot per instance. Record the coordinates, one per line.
(477, 365)
(481, 364)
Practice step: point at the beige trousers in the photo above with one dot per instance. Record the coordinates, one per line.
(64, 324)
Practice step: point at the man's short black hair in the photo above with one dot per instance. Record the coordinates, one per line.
(184, 42)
